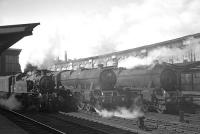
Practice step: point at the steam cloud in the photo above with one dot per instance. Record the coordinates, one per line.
(121, 112)
(163, 54)
(134, 110)
(125, 24)
(11, 103)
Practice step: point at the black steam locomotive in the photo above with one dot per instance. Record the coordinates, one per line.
(34, 90)
(92, 88)
(159, 85)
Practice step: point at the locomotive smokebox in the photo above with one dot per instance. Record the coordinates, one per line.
(107, 79)
(43, 72)
(168, 79)
(45, 82)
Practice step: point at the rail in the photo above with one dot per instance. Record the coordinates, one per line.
(30, 125)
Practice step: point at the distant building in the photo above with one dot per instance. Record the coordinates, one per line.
(9, 60)
(112, 59)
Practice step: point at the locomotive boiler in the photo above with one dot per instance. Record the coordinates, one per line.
(92, 88)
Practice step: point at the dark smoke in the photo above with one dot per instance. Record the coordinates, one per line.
(51, 52)
(30, 67)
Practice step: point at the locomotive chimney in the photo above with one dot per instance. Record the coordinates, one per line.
(43, 72)
(58, 59)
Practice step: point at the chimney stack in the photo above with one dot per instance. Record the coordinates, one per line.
(65, 56)
(58, 59)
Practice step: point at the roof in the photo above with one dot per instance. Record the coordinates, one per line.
(10, 34)
(11, 51)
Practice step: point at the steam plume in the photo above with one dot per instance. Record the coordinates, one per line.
(126, 25)
(11, 103)
(164, 54)
(135, 110)
(121, 112)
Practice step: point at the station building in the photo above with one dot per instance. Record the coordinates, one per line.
(9, 57)
(186, 47)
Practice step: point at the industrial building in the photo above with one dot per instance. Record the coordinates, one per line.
(186, 47)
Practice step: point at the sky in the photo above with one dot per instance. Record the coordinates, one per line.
(92, 27)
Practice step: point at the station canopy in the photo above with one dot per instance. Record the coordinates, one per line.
(10, 34)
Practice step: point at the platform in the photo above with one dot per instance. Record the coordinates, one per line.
(8, 127)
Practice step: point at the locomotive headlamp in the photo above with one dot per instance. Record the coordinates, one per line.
(113, 57)
(168, 100)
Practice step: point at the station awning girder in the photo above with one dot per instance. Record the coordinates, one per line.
(10, 34)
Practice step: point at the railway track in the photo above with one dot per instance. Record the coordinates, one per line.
(74, 125)
(188, 118)
(128, 126)
(91, 123)
(192, 118)
(44, 123)
(174, 127)
(152, 125)
(31, 126)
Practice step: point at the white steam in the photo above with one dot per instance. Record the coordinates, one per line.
(83, 31)
(11, 103)
(135, 110)
(164, 54)
(121, 112)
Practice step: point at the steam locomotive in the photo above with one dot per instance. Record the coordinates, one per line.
(159, 85)
(35, 90)
(100, 88)
(92, 88)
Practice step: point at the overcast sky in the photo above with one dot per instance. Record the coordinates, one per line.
(92, 27)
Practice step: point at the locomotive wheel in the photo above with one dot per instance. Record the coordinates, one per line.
(161, 109)
(87, 107)
(145, 107)
(80, 106)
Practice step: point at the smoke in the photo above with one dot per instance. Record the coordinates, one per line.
(106, 46)
(84, 30)
(164, 54)
(11, 103)
(135, 110)
(121, 112)
(51, 52)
